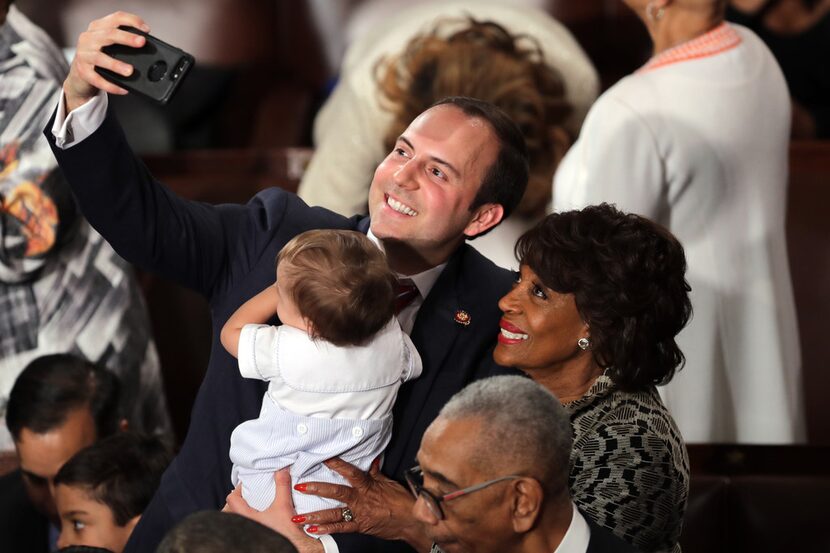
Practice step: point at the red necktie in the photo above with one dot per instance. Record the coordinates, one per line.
(406, 292)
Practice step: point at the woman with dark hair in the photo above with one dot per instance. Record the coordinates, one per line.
(593, 318)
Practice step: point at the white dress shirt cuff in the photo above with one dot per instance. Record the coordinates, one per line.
(84, 120)
(329, 545)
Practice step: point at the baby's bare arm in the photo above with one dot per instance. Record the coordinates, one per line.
(258, 309)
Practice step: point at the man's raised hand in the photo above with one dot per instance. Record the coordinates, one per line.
(83, 83)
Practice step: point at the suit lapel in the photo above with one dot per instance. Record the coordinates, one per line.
(434, 334)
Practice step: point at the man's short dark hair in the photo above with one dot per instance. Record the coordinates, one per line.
(122, 472)
(216, 532)
(506, 179)
(52, 386)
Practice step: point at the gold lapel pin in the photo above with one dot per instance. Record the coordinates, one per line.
(462, 317)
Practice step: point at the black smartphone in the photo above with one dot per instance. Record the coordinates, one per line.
(159, 68)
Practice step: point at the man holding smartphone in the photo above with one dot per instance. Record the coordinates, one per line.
(455, 173)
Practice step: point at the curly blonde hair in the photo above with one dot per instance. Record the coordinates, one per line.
(482, 60)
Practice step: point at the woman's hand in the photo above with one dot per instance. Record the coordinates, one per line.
(83, 83)
(380, 506)
(278, 516)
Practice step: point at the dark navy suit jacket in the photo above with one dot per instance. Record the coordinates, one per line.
(227, 253)
(22, 527)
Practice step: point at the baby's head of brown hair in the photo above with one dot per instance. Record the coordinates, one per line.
(340, 282)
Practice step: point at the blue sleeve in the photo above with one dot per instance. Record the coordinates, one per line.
(190, 242)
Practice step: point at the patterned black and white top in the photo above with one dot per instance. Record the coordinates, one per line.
(629, 465)
(62, 287)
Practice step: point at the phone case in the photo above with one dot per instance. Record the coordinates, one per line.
(159, 68)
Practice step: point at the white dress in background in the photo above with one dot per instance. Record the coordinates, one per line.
(697, 140)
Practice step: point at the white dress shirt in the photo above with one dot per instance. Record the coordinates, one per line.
(577, 537)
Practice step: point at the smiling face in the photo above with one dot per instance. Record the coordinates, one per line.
(42, 455)
(479, 522)
(86, 521)
(422, 192)
(540, 327)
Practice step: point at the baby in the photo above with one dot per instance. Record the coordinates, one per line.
(101, 492)
(334, 366)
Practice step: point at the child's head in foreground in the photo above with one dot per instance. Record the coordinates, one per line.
(335, 283)
(101, 492)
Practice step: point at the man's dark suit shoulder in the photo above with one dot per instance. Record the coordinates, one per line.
(22, 528)
(488, 278)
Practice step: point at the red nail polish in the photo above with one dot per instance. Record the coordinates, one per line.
(300, 487)
(298, 519)
(311, 529)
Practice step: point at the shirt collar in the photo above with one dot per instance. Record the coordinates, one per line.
(425, 280)
(578, 536)
(721, 38)
(602, 386)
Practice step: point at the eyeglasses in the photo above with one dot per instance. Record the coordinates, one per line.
(415, 479)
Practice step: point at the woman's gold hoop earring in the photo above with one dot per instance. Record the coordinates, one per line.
(583, 343)
(654, 14)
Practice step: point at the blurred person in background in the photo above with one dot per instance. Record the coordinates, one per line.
(62, 287)
(342, 23)
(697, 140)
(798, 34)
(59, 405)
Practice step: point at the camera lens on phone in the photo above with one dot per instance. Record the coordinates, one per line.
(157, 71)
